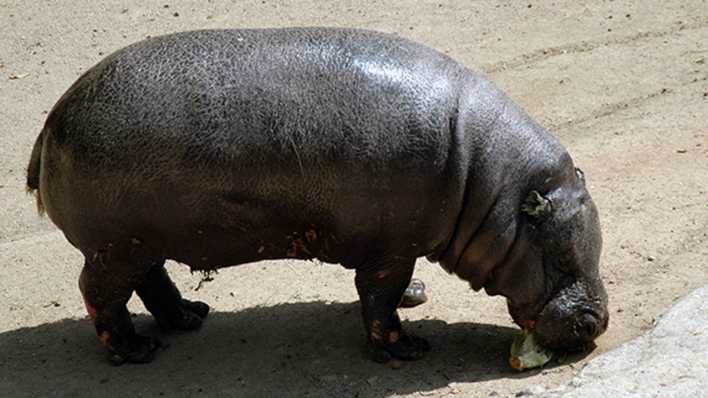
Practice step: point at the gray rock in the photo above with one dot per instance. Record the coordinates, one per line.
(669, 361)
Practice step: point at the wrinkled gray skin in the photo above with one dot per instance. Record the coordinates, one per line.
(217, 148)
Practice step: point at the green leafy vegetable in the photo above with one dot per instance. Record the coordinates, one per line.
(527, 353)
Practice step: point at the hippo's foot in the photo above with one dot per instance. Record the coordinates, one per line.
(187, 315)
(105, 296)
(414, 294)
(133, 349)
(166, 304)
(406, 347)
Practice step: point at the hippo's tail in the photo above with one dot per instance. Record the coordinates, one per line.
(33, 168)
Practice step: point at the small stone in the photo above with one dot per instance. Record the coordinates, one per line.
(530, 391)
(176, 14)
(651, 258)
(18, 76)
(681, 151)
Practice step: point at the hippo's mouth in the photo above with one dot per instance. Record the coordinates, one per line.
(526, 316)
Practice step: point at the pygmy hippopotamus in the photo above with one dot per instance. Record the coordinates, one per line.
(216, 148)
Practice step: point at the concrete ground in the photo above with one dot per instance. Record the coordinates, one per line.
(623, 84)
(669, 361)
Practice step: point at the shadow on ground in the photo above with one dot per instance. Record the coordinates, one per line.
(304, 349)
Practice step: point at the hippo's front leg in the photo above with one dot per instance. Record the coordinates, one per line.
(381, 285)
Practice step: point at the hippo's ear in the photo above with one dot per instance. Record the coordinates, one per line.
(536, 206)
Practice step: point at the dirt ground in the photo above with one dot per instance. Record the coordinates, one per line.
(623, 84)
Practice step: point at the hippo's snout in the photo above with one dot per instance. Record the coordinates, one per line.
(573, 319)
(591, 326)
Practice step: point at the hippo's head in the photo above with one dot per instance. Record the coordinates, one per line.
(541, 251)
(551, 279)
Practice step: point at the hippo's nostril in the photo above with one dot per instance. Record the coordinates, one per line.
(587, 327)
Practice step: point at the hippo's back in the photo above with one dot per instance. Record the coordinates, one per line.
(349, 129)
(314, 86)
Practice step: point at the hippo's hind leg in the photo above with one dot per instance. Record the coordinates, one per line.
(164, 301)
(106, 285)
(381, 285)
